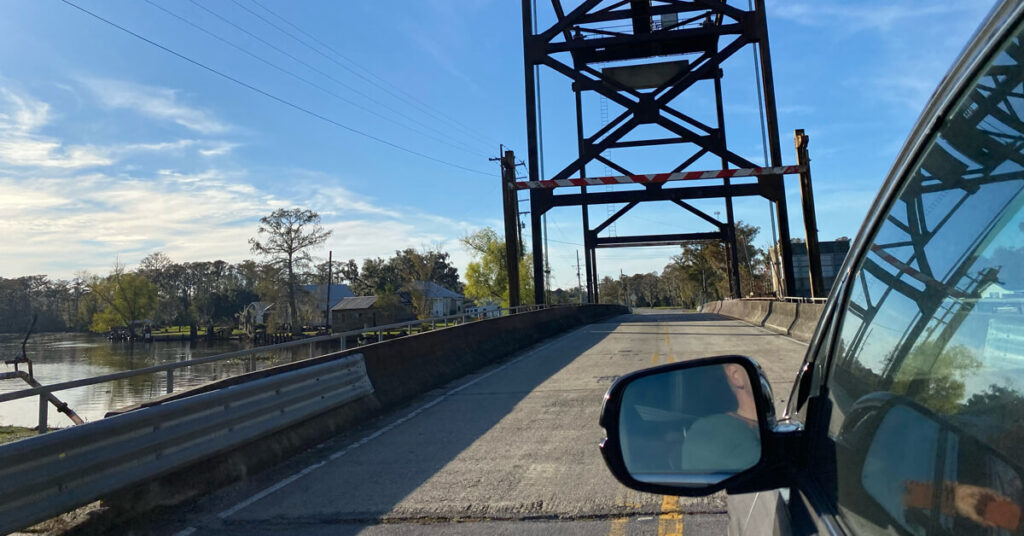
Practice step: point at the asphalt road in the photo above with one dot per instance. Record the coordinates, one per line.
(511, 449)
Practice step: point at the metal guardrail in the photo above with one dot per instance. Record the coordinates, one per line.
(788, 299)
(49, 474)
(44, 392)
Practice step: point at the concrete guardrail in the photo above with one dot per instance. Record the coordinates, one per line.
(797, 320)
(782, 318)
(807, 316)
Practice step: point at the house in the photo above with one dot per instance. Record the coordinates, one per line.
(438, 301)
(255, 316)
(312, 301)
(360, 312)
(995, 291)
(487, 309)
(320, 294)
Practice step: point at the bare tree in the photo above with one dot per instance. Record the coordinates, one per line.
(286, 235)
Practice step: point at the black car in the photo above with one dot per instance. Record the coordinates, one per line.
(907, 416)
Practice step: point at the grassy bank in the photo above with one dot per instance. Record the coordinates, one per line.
(14, 433)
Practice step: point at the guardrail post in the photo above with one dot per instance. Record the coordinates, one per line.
(343, 337)
(311, 350)
(43, 413)
(170, 380)
(380, 335)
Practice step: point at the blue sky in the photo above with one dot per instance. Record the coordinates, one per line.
(111, 148)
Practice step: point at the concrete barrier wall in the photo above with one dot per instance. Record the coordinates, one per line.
(756, 312)
(807, 317)
(782, 318)
(798, 320)
(399, 369)
(731, 308)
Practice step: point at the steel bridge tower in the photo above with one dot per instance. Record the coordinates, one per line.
(644, 56)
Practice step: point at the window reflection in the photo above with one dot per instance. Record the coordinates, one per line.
(936, 316)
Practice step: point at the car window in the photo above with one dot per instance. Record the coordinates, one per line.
(927, 383)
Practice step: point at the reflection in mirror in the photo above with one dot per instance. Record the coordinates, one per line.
(930, 477)
(690, 427)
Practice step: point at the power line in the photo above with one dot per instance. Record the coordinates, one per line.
(306, 80)
(412, 100)
(332, 78)
(272, 96)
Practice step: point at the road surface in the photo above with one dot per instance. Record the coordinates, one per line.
(511, 449)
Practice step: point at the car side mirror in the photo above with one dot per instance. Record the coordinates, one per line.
(693, 428)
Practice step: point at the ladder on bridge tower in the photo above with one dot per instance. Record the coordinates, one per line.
(611, 209)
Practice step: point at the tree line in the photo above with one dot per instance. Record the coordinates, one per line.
(696, 275)
(206, 293)
(164, 292)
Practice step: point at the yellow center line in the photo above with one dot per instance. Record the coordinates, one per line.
(618, 527)
(668, 344)
(670, 522)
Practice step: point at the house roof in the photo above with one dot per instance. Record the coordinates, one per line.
(433, 290)
(261, 306)
(338, 292)
(355, 303)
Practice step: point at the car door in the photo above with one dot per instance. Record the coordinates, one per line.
(913, 393)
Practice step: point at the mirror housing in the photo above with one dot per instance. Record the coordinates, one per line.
(688, 413)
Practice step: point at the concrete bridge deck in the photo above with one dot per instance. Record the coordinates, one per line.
(511, 449)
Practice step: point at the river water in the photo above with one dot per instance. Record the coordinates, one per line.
(60, 357)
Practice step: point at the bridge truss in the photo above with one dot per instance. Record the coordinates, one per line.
(644, 55)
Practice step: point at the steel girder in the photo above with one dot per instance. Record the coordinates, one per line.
(709, 32)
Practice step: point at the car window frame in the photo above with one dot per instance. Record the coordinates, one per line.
(985, 42)
(999, 25)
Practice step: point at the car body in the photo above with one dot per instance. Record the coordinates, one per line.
(907, 416)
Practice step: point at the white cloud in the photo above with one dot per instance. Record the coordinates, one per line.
(84, 222)
(20, 117)
(860, 16)
(159, 146)
(219, 149)
(156, 102)
(26, 151)
(21, 114)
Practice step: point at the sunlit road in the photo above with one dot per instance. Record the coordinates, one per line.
(511, 449)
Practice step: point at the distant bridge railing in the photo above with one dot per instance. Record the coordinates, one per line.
(45, 392)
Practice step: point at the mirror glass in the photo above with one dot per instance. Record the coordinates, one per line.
(924, 474)
(690, 427)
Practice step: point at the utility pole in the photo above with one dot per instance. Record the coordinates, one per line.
(810, 219)
(330, 281)
(510, 204)
(622, 288)
(579, 282)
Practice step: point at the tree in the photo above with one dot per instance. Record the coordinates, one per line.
(432, 265)
(289, 234)
(702, 268)
(487, 275)
(377, 277)
(386, 276)
(124, 299)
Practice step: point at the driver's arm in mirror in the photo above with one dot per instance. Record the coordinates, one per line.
(728, 441)
(690, 421)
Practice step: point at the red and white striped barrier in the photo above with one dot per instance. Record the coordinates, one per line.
(661, 177)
